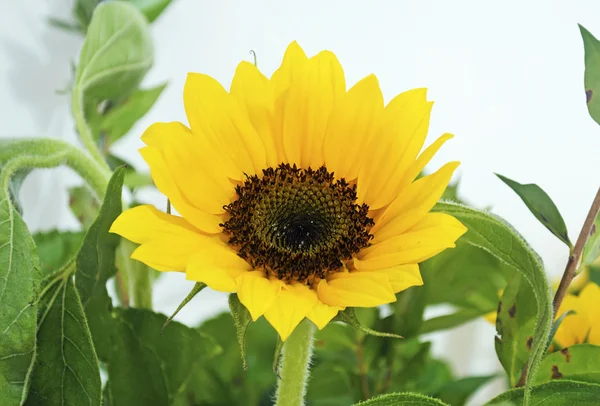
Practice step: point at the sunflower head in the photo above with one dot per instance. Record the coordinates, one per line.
(293, 192)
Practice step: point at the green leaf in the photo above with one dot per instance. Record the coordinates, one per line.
(494, 235)
(456, 393)
(242, 319)
(541, 206)
(579, 362)
(19, 285)
(66, 370)
(408, 311)
(591, 249)
(330, 385)
(57, 248)
(83, 205)
(147, 368)
(556, 393)
(348, 316)
(515, 325)
(151, 8)
(95, 264)
(591, 77)
(120, 118)
(116, 54)
(394, 399)
(450, 320)
(198, 286)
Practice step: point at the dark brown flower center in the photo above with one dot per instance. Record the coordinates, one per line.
(297, 223)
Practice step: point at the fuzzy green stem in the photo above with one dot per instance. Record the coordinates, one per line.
(85, 134)
(297, 352)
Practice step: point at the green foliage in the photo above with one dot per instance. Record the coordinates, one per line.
(116, 54)
(84, 9)
(394, 399)
(456, 393)
(198, 287)
(591, 249)
(541, 206)
(515, 325)
(592, 73)
(56, 248)
(66, 369)
(83, 205)
(407, 316)
(348, 316)
(579, 362)
(555, 393)
(242, 319)
(497, 237)
(450, 321)
(19, 284)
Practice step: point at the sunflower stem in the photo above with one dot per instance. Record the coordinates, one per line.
(295, 365)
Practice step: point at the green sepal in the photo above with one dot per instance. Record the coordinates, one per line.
(348, 316)
(195, 290)
(277, 357)
(241, 319)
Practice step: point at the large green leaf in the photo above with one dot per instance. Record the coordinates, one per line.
(541, 206)
(395, 399)
(515, 325)
(579, 362)
(591, 78)
(556, 393)
(120, 118)
(66, 370)
(56, 248)
(408, 310)
(494, 235)
(95, 264)
(116, 54)
(19, 284)
(147, 368)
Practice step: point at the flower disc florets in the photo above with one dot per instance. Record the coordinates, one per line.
(297, 224)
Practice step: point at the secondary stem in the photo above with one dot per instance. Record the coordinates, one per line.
(571, 267)
(83, 130)
(297, 352)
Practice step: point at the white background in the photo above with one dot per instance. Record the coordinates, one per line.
(507, 79)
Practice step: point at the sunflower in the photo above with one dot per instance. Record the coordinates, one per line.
(582, 326)
(295, 193)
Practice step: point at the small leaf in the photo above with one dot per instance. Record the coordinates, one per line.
(591, 77)
(395, 399)
(494, 235)
(450, 321)
(579, 362)
(66, 369)
(116, 54)
(95, 264)
(120, 118)
(19, 284)
(241, 319)
(57, 248)
(556, 393)
(591, 249)
(541, 206)
(456, 393)
(84, 205)
(348, 316)
(195, 290)
(515, 325)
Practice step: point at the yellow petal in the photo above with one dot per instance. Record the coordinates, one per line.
(403, 276)
(404, 127)
(424, 158)
(589, 299)
(293, 62)
(202, 220)
(432, 235)
(321, 314)
(216, 116)
(293, 304)
(257, 292)
(194, 168)
(308, 105)
(412, 204)
(256, 97)
(574, 327)
(218, 266)
(354, 121)
(356, 289)
(167, 241)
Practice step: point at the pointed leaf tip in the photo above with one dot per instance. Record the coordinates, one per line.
(348, 316)
(195, 290)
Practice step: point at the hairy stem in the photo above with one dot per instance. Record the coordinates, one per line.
(297, 352)
(85, 134)
(571, 268)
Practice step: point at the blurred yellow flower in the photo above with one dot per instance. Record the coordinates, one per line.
(584, 325)
(294, 192)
